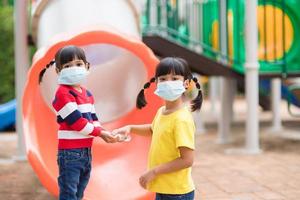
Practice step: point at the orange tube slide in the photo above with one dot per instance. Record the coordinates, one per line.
(116, 167)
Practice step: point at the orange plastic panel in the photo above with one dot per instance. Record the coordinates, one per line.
(116, 167)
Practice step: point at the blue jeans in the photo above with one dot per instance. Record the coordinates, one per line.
(187, 196)
(74, 172)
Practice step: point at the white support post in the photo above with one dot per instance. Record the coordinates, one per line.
(225, 118)
(214, 87)
(197, 24)
(276, 99)
(193, 21)
(232, 93)
(227, 84)
(199, 21)
(223, 30)
(22, 63)
(252, 67)
(164, 13)
(153, 13)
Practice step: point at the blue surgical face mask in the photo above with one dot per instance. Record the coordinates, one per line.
(170, 90)
(73, 75)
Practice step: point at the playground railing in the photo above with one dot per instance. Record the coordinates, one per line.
(195, 24)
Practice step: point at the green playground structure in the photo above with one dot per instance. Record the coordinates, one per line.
(192, 30)
(195, 24)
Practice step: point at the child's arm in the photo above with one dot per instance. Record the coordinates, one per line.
(143, 130)
(108, 137)
(67, 109)
(185, 160)
(105, 135)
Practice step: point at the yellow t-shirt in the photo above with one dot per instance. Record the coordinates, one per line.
(170, 132)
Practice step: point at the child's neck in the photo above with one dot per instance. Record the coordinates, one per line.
(77, 87)
(172, 106)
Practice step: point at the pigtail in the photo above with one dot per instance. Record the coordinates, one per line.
(141, 100)
(44, 70)
(197, 102)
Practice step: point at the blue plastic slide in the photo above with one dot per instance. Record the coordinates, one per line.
(7, 114)
(265, 87)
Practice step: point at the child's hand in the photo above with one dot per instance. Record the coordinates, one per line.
(122, 137)
(108, 137)
(122, 134)
(146, 178)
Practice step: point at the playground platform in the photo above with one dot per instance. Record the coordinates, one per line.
(272, 175)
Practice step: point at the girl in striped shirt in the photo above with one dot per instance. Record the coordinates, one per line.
(78, 122)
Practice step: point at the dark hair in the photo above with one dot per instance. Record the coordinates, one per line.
(63, 56)
(172, 65)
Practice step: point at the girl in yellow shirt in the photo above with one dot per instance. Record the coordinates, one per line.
(172, 147)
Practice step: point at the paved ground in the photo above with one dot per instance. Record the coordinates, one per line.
(272, 175)
(17, 180)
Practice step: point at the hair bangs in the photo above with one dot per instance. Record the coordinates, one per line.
(170, 65)
(70, 53)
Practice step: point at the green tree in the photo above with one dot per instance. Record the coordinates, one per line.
(7, 63)
(6, 2)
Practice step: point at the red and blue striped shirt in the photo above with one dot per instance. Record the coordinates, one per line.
(76, 116)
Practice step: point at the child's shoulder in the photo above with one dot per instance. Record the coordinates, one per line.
(65, 91)
(184, 114)
(89, 94)
(160, 109)
(62, 89)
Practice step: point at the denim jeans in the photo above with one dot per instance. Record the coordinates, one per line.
(187, 196)
(74, 172)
